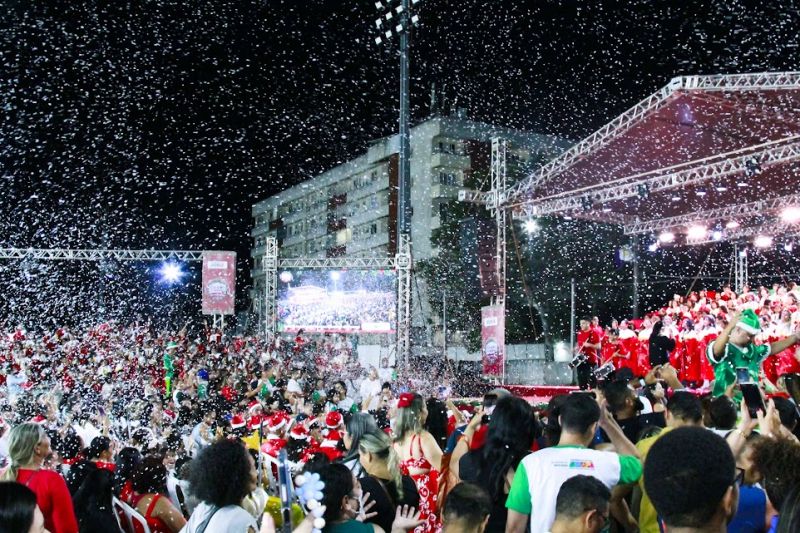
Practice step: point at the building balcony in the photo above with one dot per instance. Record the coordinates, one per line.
(368, 215)
(444, 191)
(455, 161)
(377, 185)
(261, 229)
(358, 245)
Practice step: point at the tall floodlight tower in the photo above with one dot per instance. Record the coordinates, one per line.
(395, 18)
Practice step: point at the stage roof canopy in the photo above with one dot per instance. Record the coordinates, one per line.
(720, 153)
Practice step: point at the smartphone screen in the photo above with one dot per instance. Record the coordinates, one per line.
(743, 375)
(753, 398)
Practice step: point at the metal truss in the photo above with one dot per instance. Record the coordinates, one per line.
(270, 265)
(628, 119)
(711, 215)
(403, 332)
(61, 254)
(699, 173)
(338, 262)
(741, 271)
(778, 229)
(473, 197)
(498, 175)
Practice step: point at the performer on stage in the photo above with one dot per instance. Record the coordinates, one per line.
(734, 349)
(588, 343)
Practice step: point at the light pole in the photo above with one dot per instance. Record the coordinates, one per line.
(396, 18)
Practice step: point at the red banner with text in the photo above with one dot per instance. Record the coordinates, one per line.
(493, 339)
(219, 283)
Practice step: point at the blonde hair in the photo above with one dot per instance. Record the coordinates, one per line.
(379, 444)
(407, 420)
(22, 441)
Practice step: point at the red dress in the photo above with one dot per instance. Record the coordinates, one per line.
(155, 524)
(427, 487)
(693, 358)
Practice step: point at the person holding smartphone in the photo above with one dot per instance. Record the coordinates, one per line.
(734, 348)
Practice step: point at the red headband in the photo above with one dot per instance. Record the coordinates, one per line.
(405, 399)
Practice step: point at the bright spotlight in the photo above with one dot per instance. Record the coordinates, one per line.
(335, 275)
(763, 241)
(171, 272)
(666, 237)
(531, 226)
(653, 247)
(788, 247)
(716, 235)
(286, 276)
(732, 224)
(695, 233)
(791, 215)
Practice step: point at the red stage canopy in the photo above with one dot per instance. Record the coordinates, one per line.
(703, 150)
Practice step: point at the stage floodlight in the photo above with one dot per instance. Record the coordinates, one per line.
(791, 214)
(286, 276)
(531, 226)
(696, 232)
(788, 246)
(762, 241)
(666, 237)
(335, 275)
(170, 272)
(732, 224)
(716, 235)
(653, 247)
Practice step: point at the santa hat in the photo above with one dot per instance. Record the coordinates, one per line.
(299, 432)
(254, 406)
(277, 421)
(333, 419)
(237, 422)
(749, 322)
(255, 422)
(38, 419)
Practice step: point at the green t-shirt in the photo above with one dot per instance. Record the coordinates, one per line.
(750, 357)
(351, 526)
(168, 365)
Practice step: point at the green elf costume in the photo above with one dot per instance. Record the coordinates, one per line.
(726, 354)
(169, 367)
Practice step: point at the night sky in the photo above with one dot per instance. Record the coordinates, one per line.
(158, 124)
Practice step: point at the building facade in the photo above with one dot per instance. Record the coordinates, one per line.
(351, 210)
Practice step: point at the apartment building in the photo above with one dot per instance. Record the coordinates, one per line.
(351, 210)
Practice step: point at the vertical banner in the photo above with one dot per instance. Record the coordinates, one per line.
(493, 339)
(219, 283)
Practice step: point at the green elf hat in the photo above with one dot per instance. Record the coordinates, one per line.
(172, 344)
(749, 322)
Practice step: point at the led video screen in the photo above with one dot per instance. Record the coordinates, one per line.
(337, 301)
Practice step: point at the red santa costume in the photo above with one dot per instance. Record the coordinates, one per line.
(276, 427)
(330, 446)
(630, 343)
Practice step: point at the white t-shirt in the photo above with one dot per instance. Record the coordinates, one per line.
(231, 519)
(370, 387)
(540, 475)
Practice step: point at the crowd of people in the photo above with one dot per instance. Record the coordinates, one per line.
(680, 333)
(192, 430)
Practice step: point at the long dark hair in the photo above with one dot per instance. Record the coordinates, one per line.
(127, 461)
(512, 429)
(17, 507)
(436, 423)
(338, 483)
(357, 425)
(789, 521)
